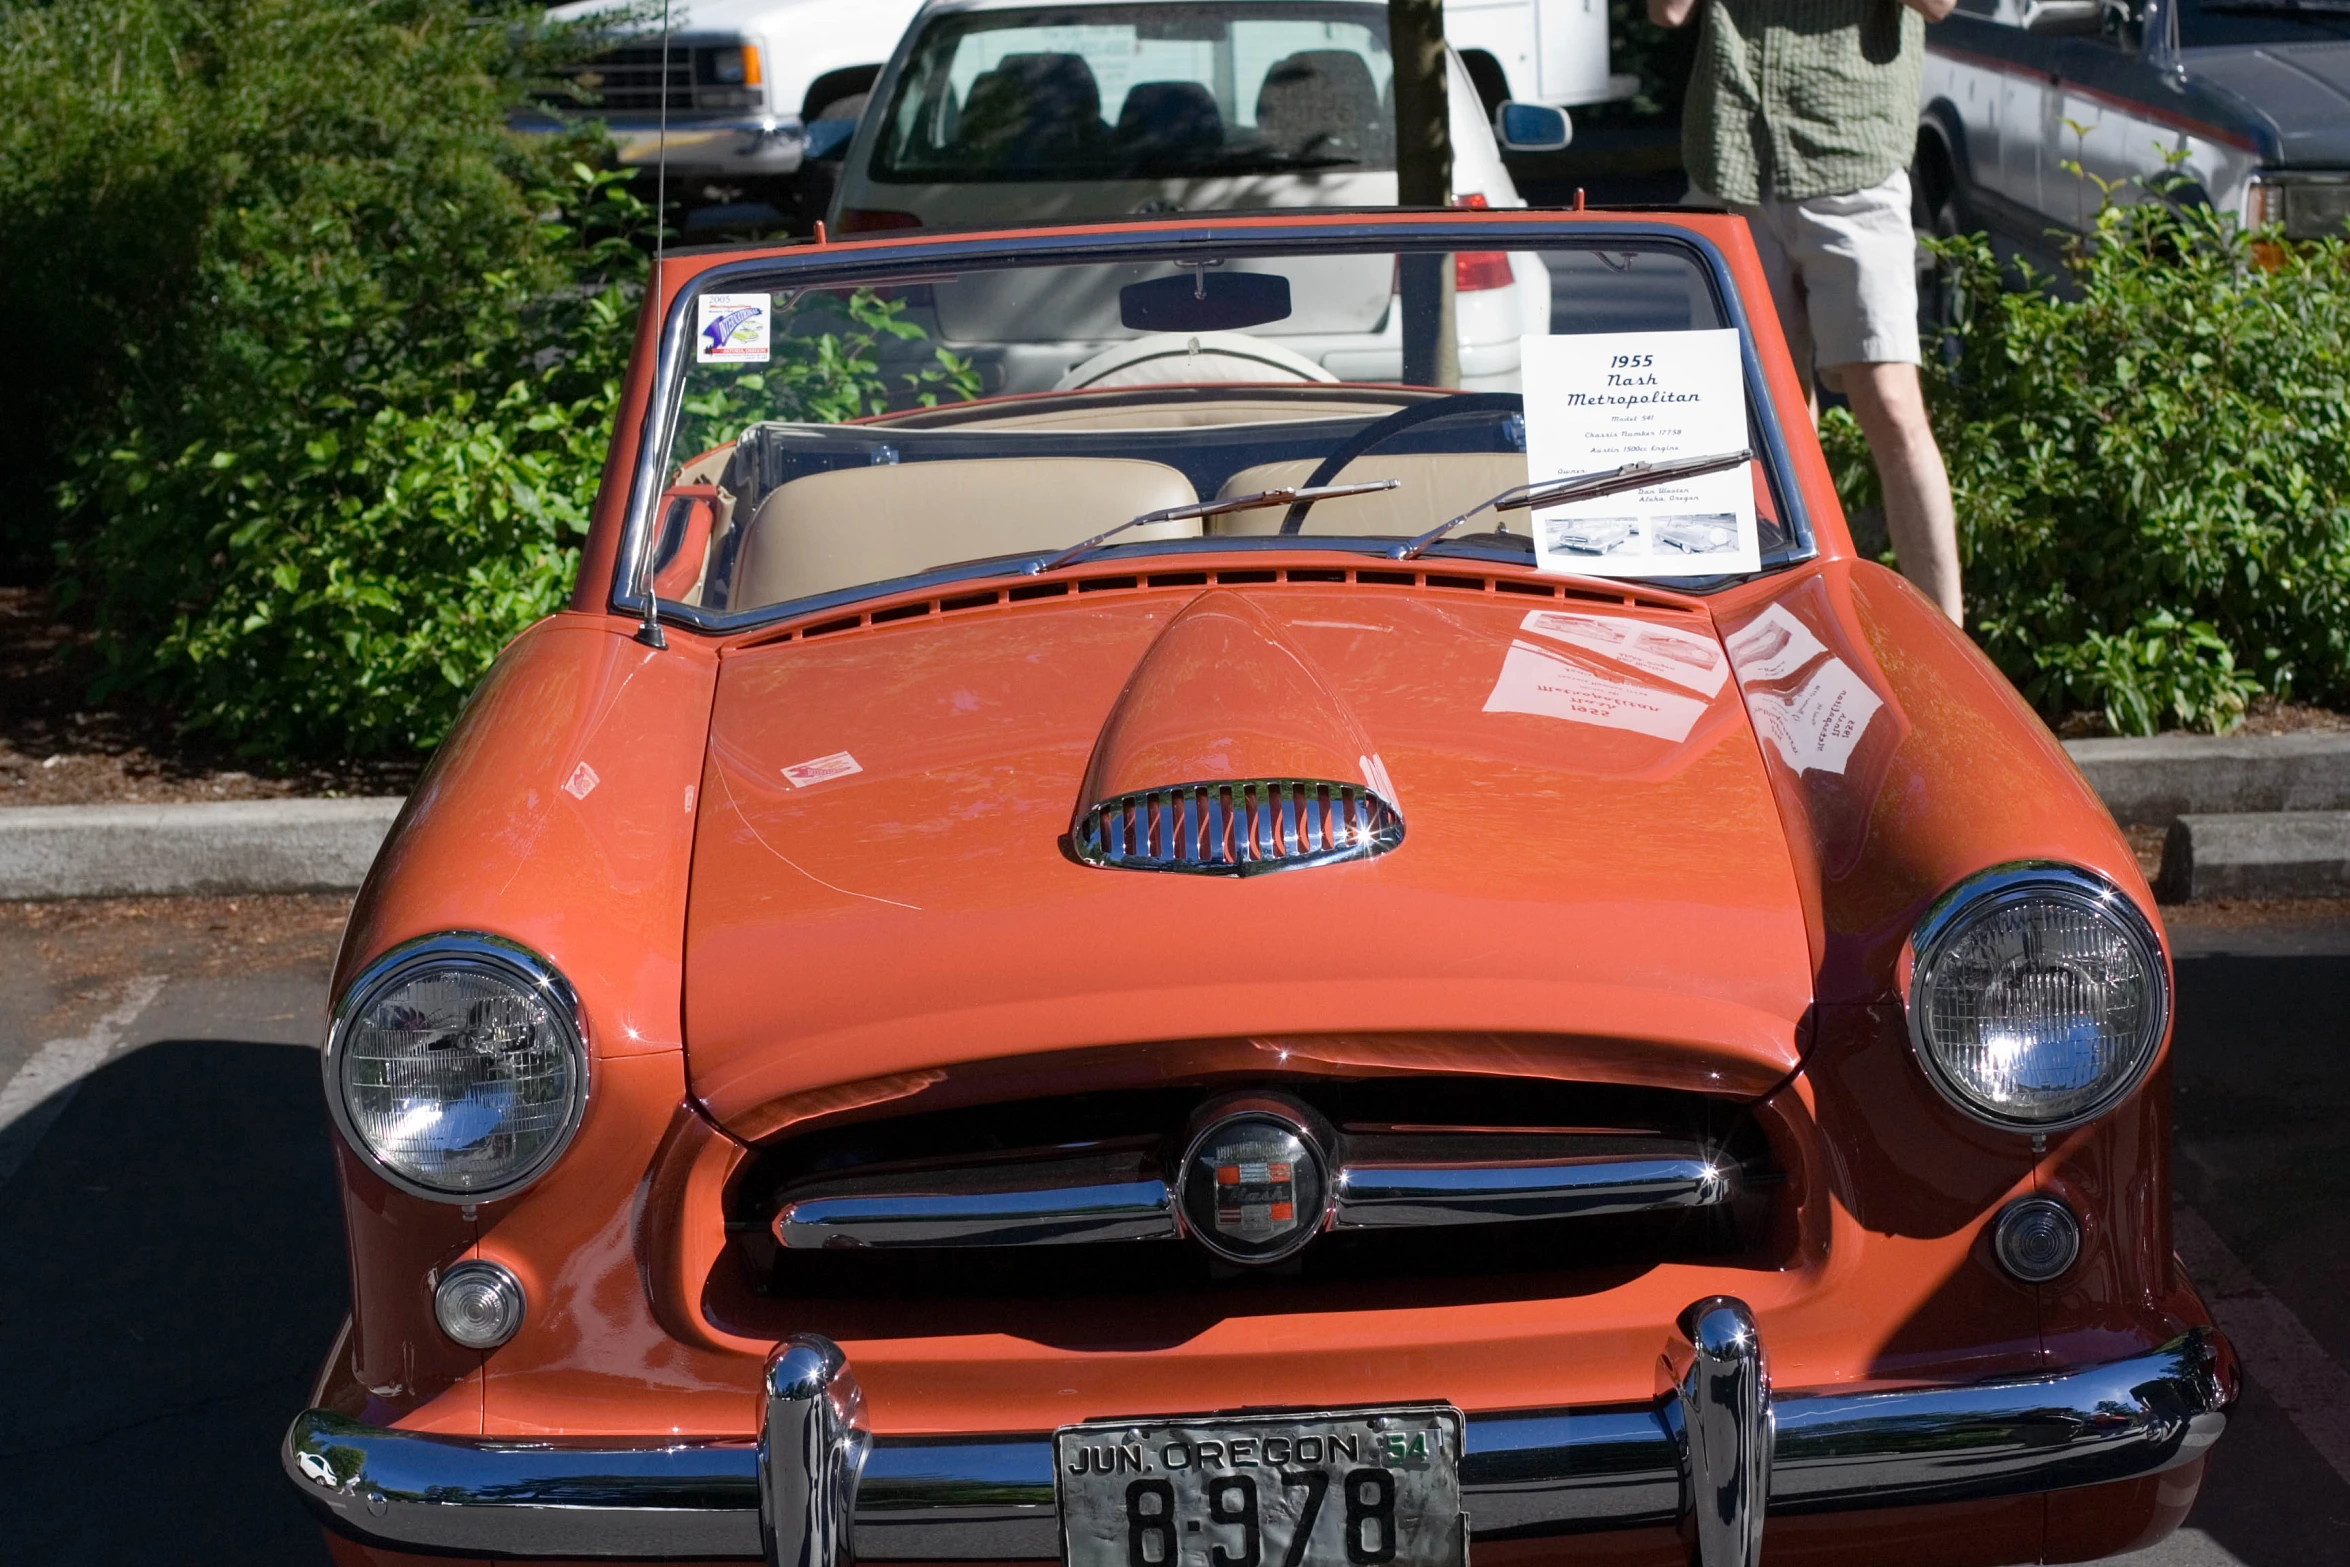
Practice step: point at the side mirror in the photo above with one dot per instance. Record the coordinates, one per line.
(1531, 127)
(2061, 18)
(828, 140)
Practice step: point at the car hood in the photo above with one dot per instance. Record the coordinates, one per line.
(884, 883)
(2300, 92)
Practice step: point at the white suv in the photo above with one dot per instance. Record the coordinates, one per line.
(1008, 112)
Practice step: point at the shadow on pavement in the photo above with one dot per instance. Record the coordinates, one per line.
(173, 1273)
(2261, 1130)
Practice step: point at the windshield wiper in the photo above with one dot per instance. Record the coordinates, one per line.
(1580, 487)
(1256, 502)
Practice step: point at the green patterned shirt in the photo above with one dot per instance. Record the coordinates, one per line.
(1804, 97)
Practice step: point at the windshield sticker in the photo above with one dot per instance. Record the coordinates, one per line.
(1686, 658)
(1772, 646)
(802, 775)
(582, 782)
(1548, 685)
(733, 329)
(1600, 400)
(1815, 729)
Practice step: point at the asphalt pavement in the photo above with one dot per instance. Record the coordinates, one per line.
(171, 1263)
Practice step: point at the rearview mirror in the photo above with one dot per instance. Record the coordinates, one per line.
(1200, 300)
(1531, 127)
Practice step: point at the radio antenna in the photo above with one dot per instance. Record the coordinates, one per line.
(649, 630)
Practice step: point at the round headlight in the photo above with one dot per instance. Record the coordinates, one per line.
(2037, 996)
(457, 1066)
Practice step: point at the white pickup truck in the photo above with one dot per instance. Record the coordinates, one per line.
(761, 89)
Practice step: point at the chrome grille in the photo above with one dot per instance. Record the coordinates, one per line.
(628, 80)
(1241, 827)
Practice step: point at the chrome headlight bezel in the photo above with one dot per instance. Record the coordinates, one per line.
(464, 951)
(2005, 886)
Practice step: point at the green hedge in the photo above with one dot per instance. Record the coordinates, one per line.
(2151, 467)
(329, 355)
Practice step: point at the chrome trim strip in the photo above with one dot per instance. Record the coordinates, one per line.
(1046, 1216)
(1395, 1196)
(983, 1498)
(1125, 1197)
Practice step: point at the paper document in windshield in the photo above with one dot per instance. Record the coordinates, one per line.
(1598, 400)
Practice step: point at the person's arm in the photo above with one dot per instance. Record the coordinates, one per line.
(1672, 13)
(1931, 10)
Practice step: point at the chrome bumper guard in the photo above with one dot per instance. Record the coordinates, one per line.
(1719, 1450)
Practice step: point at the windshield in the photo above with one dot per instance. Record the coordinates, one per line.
(2219, 24)
(1130, 92)
(831, 439)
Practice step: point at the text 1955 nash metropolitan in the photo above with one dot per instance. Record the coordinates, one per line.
(1139, 975)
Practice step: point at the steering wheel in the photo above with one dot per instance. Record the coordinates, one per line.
(1378, 430)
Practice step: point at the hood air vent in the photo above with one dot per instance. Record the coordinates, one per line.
(1241, 827)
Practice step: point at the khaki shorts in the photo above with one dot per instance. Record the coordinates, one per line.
(1843, 273)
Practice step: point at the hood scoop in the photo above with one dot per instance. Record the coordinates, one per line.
(1227, 754)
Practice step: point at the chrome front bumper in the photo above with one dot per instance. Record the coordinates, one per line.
(755, 144)
(815, 1490)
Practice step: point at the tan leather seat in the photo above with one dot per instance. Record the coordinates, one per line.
(858, 525)
(1436, 485)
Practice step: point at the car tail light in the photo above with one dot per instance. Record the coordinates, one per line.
(873, 220)
(1473, 270)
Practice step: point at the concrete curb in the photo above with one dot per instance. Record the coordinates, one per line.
(2147, 783)
(237, 846)
(2219, 790)
(2256, 854)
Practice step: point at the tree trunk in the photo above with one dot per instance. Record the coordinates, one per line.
(1423, 178)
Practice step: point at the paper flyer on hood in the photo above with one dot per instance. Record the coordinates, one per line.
(1597, 400)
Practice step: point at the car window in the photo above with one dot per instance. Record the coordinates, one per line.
(1116, 92)
(830, 439)
(2221, 24)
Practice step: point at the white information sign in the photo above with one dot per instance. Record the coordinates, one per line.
(1538, 681)
(1599, 400)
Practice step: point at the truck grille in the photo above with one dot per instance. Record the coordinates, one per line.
(627, 81)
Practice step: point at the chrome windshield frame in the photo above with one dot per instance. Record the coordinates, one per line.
(827, 266)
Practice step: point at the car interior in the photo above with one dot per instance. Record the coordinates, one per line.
(794, 518)
(1045, 110)
(777, 507)
(1225, 88)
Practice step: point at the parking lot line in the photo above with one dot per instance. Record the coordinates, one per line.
(2277, 1351)
(38, 1092)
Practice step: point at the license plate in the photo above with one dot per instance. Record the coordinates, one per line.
(1337, 1488)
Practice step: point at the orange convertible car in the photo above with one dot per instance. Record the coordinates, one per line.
(1085, 945)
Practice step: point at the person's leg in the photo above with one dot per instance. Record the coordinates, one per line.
(1918, 514)
(1858, 256)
